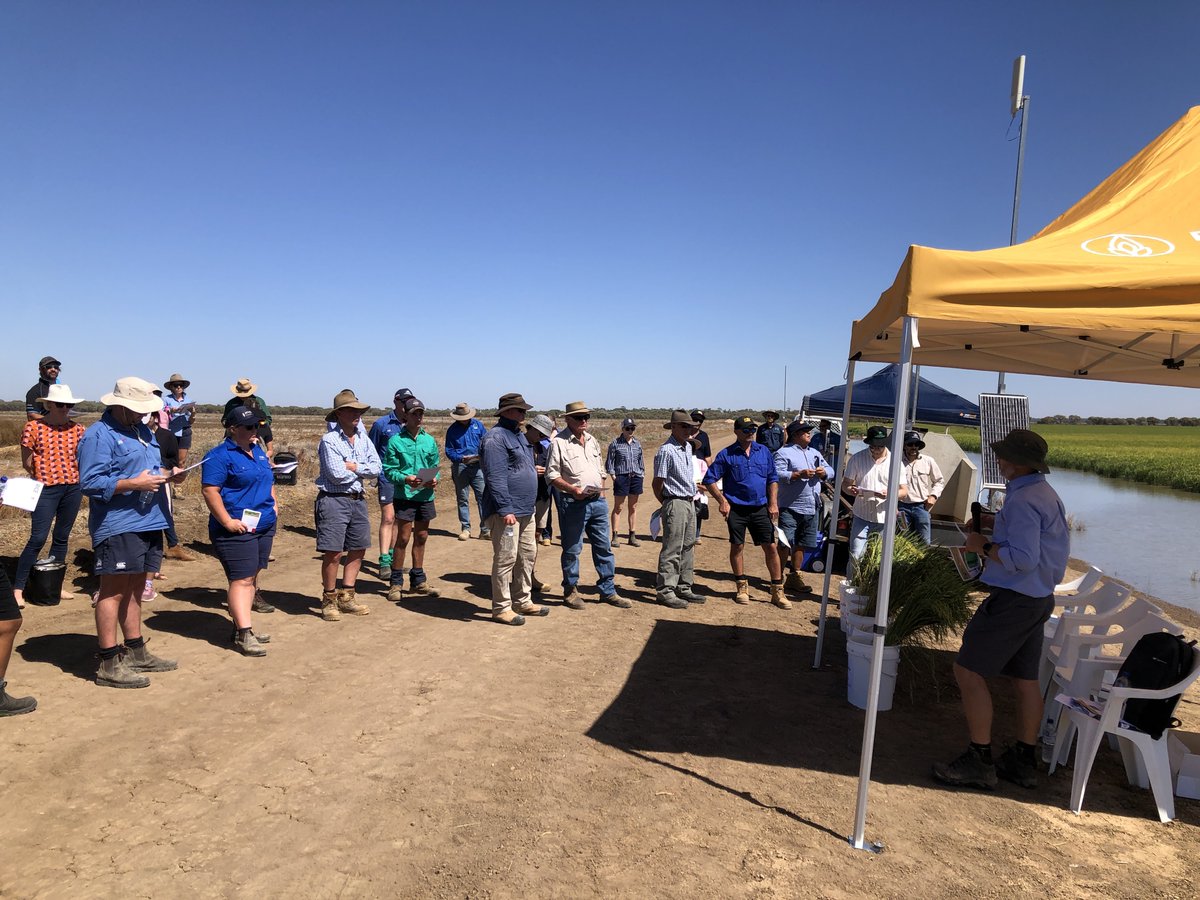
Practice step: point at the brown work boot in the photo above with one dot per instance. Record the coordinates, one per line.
(142, 660)
(347, 604)
(114, 673)
(422, 590)
(532, 609)
(508, 617)
(742, 595)
(180, 553)
(538, 587)
(795, 584)
(329, 606)
(572, 599)
(777, 596)
(14, 706)
(396, 593)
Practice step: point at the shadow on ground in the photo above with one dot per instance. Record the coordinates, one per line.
(75, 654)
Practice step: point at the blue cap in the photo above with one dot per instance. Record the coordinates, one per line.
(242, 416)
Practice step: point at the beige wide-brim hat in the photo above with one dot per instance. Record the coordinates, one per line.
(577, 408)
(463, 412)
(59, 393)
(178, 379)
(346, 399)
(134, 393)
(244, 388)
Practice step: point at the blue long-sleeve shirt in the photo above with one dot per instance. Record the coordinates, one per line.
(800, 495)
(1033, 540)
(383, 430)
(625, 458)
(335, 450)
(510, 481)
(744, 477)
(463, 439)
(108, 453)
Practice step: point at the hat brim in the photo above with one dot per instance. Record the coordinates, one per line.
(183, 384)
(46, 401)
(539, 430)
(579, 412)
(464, 417)
(248, 392)
(1016, 457)
(154, 404)
(359, 408)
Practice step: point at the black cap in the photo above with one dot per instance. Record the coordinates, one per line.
(403, 394)
(242, 415)
(49, 361)
(877, 436)
(914, 437)
(697, 415)
(795, 427)
(741, 423)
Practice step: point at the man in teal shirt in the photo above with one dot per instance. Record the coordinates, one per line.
(408, 452)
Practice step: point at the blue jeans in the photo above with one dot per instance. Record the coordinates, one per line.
(574, 518)
(59, 503)
(860, 530)
(918, 520)
(467, 478)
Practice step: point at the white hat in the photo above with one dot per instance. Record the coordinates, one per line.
(134, 393)
(59, 393)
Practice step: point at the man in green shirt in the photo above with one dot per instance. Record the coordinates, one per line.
(410, 451)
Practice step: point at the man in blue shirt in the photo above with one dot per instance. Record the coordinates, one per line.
(770, 433)
(120, 474)
(748, 500)
(462, 449)
(802, 471)
(1025, 559)
(383, 430)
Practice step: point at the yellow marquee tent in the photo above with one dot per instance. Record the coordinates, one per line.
(1108, 291)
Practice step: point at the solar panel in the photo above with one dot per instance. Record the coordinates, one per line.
(998, 415)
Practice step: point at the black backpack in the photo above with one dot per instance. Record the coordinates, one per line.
(1156, 661)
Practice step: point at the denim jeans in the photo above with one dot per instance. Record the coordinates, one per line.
(575, 517)
(58, 503)
(467, 478)
(860, 530)
(918, 520)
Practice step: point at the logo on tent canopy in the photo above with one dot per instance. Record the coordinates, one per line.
(1136, 245)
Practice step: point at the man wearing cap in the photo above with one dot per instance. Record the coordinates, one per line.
(181, 411)
(382, 431)
(749, 501)
(802, 471)
(48, 371)
(171, 457)
(1024, 559)
(924, 482)
(624, 464)
(509, 500)
(770, 433)
(409, 452)
(827, 441)
(866, 480)
(244, 395)
(346, 457)
(462, 449)
(120, 474)
(703, 451)
(674, 488)
(574, 470)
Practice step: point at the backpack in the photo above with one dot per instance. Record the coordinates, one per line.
(1156, 661)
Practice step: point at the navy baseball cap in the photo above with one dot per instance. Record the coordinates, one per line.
(242, 416)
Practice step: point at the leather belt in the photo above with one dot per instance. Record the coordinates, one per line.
(351, 494)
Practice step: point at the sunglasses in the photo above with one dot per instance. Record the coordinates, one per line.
(61, 405)
(582, 418)
(746, 430)
(630, 428)
(248, 427)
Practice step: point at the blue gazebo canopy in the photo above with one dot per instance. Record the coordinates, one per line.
(875, 398)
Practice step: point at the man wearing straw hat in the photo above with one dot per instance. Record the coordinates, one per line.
(509, 500)
(244, 394)
(120, 474)
(1025, 559)
(462, 449)
(346, 456)
(575, 469)
(182, 411)
(674, 488)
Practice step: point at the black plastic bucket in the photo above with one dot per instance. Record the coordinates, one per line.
(45, 582)
(285, 477)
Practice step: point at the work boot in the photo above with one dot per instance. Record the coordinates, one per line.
(688, 594)
(968, 770)
(532, 609)
(618, 601)
(508, 617)
(538, 587)
(329, 606)
(180, 553)
(544, 541)
(14, 706)
(633, 541)
(260, 605)
(1018, 768)
(672, 602)
(614, 542)
(347, 604)
(115, 673)
(422, 590)
(248, 643)
(795, 584)
(485, 534)
(396, 593)
(142, 660)
(465, 534)
(777, 596)
(742, 594)
(572, 599)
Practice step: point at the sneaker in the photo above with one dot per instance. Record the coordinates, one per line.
(690, 596)
(1012, 766)
(396, 593)
(248, 644)
(633, 541)
(14, 706)
(968, 770)
(532, 609)
(572, 599)
(422, 590)
(115, 673)
(465, 534)
(672, 602)
(140, 659)
(180, 553)
(148, 592)
(618, 601)
(260, 605)
(508, 617)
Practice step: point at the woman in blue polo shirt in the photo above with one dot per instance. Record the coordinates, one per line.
(239, 489)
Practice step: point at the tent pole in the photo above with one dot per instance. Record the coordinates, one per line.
(916, 387)
(885, 582)
(837, 508)
(1023, 106)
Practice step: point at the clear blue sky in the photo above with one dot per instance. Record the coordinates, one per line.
(638, 203)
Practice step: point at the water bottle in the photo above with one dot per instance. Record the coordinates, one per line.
(508, 533)
(146, 498)
(1049, 733)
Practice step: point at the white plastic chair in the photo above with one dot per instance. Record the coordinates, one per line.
(1099, 612)
(1147, 763)
(1081, 585)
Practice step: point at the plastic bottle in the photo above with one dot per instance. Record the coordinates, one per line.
(146, 498)
(1049, 733)
(508, 532)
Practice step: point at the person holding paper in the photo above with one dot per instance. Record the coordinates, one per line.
(866, 480)
(383, 430)
(575, 469)
(410, 462)
(181, 410)
(120, 472)
(466, 470)
(239, 490)
(50, 454)
(802, 470)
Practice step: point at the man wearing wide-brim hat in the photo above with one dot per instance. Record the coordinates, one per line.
(674, 487)
(1024, 560)
(462, 449)
(245, 393)
(924, 482)
(866, 480)
(181, 411)
(347, 458)
(120, 474)
(770, 432)
(575, 469)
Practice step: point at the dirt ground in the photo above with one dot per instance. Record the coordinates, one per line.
(425, 751)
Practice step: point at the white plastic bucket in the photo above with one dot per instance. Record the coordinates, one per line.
(858, 673)
(853, 622)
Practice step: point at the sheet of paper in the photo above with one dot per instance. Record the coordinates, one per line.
(655, 524)
(251, 517)
(284, 468)
(782, 538)
(23, 493)
(429, 474)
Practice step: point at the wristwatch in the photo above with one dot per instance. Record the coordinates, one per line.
(987, 548)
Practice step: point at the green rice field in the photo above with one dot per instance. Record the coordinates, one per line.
(1161, 454)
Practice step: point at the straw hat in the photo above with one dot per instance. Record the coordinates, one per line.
(345, 399)
(178, 379)
(577, 408)
(134, 393)
(59, 393)
(244, 388)
(463, 412)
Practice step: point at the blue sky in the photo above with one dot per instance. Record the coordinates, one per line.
(630, 203)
